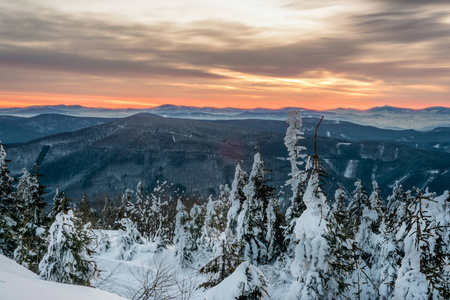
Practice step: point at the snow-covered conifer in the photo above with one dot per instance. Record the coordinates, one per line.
(197, 215)
(226, 258)
(159, 226)
(68, 255)
(31, 242)
(369, 245)
(9, 214)
(85, 213)
(310, 266)
(129, 240)
(397, 204)
(223, 206)
(421, 275)
(340, 246)
(356, 206)
(237, 199)
(140, 210)
(108, 214)
(183, 239)
(126, 205)
(297, 179)
(246, 282)
(251, 228)
(60, 204)
(274, 233)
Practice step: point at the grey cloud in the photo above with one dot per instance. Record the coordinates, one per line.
(403, 27)
(53, 60)
(279, 61)
(48, 40)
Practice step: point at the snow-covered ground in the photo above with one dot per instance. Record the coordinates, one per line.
(18, 283)
(159, 272)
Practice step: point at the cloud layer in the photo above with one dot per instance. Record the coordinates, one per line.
(378, 52)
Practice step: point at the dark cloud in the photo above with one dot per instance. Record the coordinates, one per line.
(413, 2)
(279, 61)
(403, 27)
(53, 60)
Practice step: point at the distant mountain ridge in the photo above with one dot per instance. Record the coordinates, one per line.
(382, 117)
(198, 156)
(19, 129)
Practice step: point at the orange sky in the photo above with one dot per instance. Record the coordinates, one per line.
(261, 53)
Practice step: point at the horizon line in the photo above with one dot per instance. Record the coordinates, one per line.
(216, 107)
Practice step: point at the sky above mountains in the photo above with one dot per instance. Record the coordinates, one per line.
(317, 54)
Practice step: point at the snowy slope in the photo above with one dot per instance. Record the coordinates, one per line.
(18, 283)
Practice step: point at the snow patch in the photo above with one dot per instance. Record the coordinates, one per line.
(18, 283)
(350, 170)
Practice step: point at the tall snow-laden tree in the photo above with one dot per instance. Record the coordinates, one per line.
(397, 204)
(274, 233)
(159, 226)
(140, 210)
(8, 210)
(252, 222)
(85, 213)
(223, 206)
(60, 204)
(210, 233)
(183, 239)
(342, 259)
(421, 275)
(356, 206)
(297, 179)
(197, 215)
(237, 198)
(391, 254)
(68, 255)
(108, 214)
(31, 241)
(369, 245)
(126, 205)
(310, 265)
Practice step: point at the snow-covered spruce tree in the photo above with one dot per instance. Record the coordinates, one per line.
(159, 227)
(31, 238)
(108, 214)
(297, 179)
(126, 205)
(274, 233)
(421, 275)
(8, 210)
(369, 243)
(341, 259)
(129, 240)
(68, 256)
(223, 206)
(237, 199)
(356, 206)
(252, 221)
(225, 260)
(183, 239)
(397, 204)
(391, 254)
(197, 215)
(60, 203)
(310, 265)
(85, 213)
(247, 282)
(140, 210)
